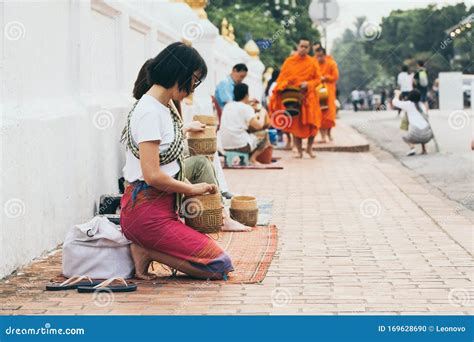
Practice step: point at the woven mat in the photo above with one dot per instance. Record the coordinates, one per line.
(253, 167)
(251, 253)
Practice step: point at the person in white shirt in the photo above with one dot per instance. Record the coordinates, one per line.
(237, 118)
(419, 130)
(405, 82)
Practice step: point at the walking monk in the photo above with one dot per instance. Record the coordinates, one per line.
(299, 70)
(329, 76)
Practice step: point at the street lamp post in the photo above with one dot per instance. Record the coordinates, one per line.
(323, 13)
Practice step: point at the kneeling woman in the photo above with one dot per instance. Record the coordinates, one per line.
(155, 171)
(419, 129)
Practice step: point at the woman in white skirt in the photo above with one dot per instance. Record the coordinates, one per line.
(419, 130)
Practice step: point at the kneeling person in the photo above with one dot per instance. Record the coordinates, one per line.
(237, 119)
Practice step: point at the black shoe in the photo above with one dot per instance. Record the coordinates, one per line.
(227, 195)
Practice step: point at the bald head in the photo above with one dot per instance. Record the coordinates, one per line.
(303, 47)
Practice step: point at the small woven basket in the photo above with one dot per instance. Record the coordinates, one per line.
(244, 209)
(204, 213)
(207, 120)
(203, 143)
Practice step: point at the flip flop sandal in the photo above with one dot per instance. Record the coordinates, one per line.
(106, 286)
(72, 283)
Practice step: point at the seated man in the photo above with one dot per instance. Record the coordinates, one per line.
(238, 117)
(225, 89)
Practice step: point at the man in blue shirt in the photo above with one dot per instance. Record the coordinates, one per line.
(225, 89)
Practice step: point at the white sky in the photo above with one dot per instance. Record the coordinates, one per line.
(374, 10)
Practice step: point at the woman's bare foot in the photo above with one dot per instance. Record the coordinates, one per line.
(142, 262)
(231, 225)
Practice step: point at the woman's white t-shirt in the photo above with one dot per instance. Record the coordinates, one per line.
(150, 121)
(235, 122)
(414, 116)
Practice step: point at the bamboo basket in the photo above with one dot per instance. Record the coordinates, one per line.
(203, 143)
(207, 120)
(244, 209)
(204, 213)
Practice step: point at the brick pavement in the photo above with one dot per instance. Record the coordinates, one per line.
(356, 236)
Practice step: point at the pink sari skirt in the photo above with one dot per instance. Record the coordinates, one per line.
(150, 220)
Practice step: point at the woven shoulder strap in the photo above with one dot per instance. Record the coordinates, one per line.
(176, 147)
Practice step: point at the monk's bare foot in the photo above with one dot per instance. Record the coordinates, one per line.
(311, 154)
(330, 138)
(324, 141)
(299, 155)
(142, 262)
(231, 225)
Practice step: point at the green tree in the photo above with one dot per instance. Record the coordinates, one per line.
(282, 24)
(357, 69)
(421, 33)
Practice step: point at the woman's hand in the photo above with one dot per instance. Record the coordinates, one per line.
(194, 126)
(396, 94)
(202, 188)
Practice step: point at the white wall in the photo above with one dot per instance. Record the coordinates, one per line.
(450, 91)
(67, 72)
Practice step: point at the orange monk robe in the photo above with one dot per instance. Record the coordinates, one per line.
(294, 71)
(330, 71)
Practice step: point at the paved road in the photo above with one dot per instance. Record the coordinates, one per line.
(357, 235)
(451, 170)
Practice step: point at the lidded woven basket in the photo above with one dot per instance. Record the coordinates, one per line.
(203, 213)
(207, 120)
(244, 209)
(203, 143)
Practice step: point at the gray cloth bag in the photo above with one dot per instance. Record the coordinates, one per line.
(97, 249)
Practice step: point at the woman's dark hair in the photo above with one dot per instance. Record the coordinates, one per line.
(272, 80)
(141, 84)
(177, 63)
(405, 68)
(415, 97)
(240, 91)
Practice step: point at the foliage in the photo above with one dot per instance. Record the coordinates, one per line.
(404, 38)
(283, 25)
(405, 34)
